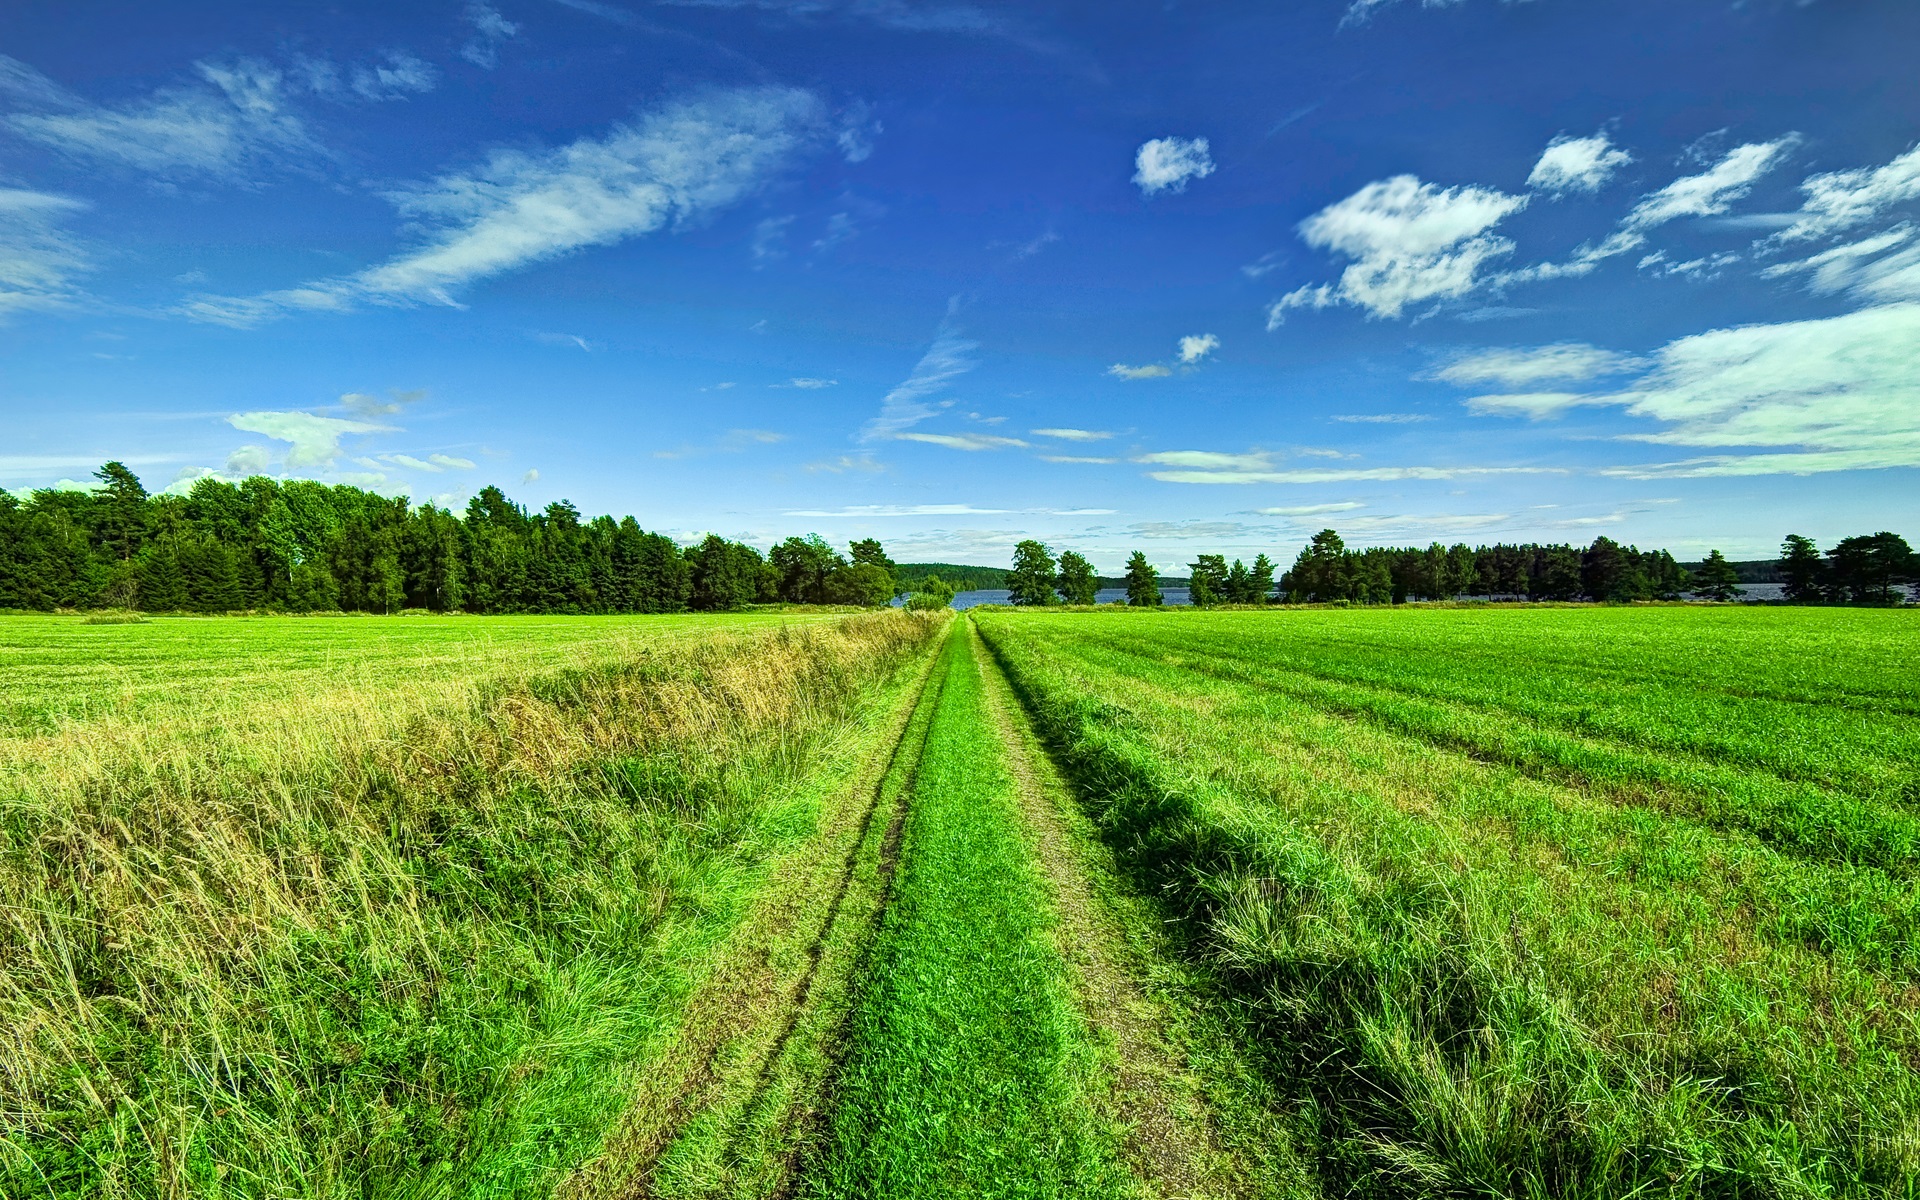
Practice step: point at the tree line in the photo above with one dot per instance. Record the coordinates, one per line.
(1869, 569)
(302, 546)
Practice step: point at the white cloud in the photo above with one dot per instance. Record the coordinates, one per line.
(1195, 347)
(315, 439)
(37, 260)
(1166, 164)
(841, 227)
(1410, 241)
(532, 475)
(1841, 392)
(809, 384)
(1150, 371)
(1075, 458)
(1073, 435)
(1843, 199)
(1308, 510)
(1210, 460)
(249, 460)
(907, 405)
(1714, 190)
(1883, 268)
(1521, 367)
(963, 441)
(1572, 164)
(564, 339)
(1345, 475)
(489, 30)
(236, 117)
(1707, 194)
(676, 165)
(1532, 405)
(1382, 418)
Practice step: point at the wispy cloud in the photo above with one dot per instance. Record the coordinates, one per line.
(964, 441)
(809, 384)
(1150, 371)
(1307, 510)
(1072, 435)
(234, 117)
(733, 442)
(1528, 366)
(38, 261)
(490, 29)
(1166, 164)
(908, 404)
(676, 165)
(1382, 418)
(1075, 458)
(1210, 460)
(1840, 200)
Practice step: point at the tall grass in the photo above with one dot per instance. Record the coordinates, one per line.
(336, 949)
(1474, 981)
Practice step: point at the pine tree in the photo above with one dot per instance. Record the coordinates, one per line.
(1717, 579)
(1806, 572)
(1143, 588)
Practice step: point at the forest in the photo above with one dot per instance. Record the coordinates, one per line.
(301, 546)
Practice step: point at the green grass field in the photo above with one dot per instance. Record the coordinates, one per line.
(1496, 901)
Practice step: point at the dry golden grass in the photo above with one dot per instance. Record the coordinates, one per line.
(211, 926)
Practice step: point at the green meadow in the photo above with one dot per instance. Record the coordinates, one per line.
(1569, 901)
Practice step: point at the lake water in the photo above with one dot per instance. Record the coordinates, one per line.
(1178, 595)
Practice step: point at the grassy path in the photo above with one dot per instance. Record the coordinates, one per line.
(935, 996)
(969, 1070)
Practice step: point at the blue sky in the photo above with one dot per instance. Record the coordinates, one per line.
(1175, 277)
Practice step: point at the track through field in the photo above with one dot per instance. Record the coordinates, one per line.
(931, 998)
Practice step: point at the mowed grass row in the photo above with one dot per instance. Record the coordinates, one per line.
(1778, 774)
(367, 951)
(969, 1071)
(1821, 695)
(1471, 980)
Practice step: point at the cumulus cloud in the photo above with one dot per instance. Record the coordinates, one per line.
(233, 118)
(675, 166)
(249, 460)
(1572, 164)
(1879, 269)
(1150, 371)
(1166, 164)
(315, 439)
(909, 403)
(1073, 435)
(1409, 242)
(489, 30)
(963, 441)
(1528, 366)
(1840, 200)
(38, 261)
(1195, 347)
